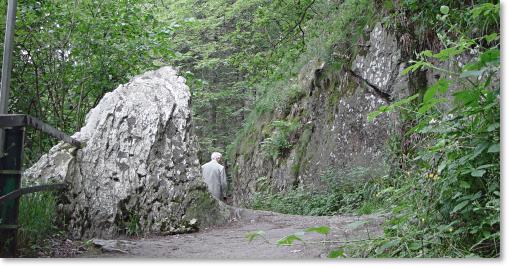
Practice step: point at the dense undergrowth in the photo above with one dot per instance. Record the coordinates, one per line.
(37, 221)
(355, 191)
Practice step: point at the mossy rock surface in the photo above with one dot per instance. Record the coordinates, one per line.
(205, 209)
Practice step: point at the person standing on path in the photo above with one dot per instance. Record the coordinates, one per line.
(215, 177)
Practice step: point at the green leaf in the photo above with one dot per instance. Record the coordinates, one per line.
(484, 9)
(288, 240)
(405, 100)
(491, 37)
(426, 53)
(494, 148)
(338, 253)
(493, 127)
(252, 235)
(430, 103)
(371, 116)
(388, 245)
(479, 149)
(444, 10)
(431, 91)
(413, 67)
(478, 173)
(418, 128)
(415, 246)
(440, 144)
(320, 229)
(489, 56)
(460, 206)
(464, 184)
(458, 194)
(385, 108)
(486, 166)
(448, 53)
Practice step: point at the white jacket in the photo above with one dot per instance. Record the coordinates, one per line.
(215, 178)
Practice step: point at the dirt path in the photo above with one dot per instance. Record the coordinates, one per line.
(230, 242)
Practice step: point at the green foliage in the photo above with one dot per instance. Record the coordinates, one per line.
(425, 14)
(37, 214)
(231, 48)
(447, 203)
(343, 192)
(133, 227)
(240, 59)
(320, 230)
(336, 31)
(390, 108)
(279, 143)
(253, 235)
(280, 98)
(68, 54)
(289, 240)
(336, 253)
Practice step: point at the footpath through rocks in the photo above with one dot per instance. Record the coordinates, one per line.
(230, 242)
(139, 167)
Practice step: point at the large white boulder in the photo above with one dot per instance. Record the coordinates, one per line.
(138, 171)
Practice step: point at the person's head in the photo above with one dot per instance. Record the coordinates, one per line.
(216, 156)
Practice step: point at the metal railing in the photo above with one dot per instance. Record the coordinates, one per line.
(14, 126)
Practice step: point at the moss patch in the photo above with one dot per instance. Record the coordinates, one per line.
(204, 208)
(301, 150)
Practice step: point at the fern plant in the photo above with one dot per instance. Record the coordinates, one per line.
(279, 143)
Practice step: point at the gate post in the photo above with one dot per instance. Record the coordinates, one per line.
(7, 63)
(10, 180)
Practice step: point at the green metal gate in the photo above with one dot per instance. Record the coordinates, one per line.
(10, 174)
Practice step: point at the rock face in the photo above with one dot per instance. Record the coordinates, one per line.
(138, 172)
(333, 132)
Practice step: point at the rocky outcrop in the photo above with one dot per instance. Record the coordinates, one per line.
(138, 171)
(329, 128)
(333, 132)
(380, 65)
